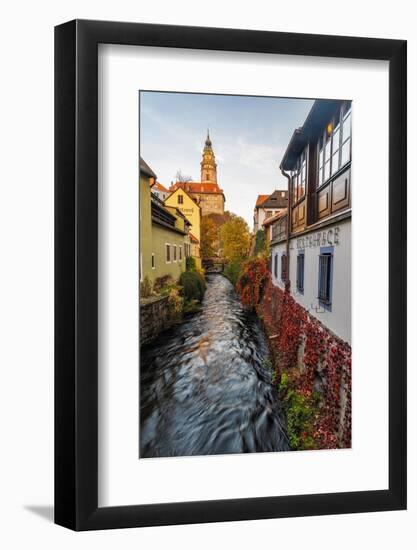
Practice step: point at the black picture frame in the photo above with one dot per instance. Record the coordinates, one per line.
(76, 272)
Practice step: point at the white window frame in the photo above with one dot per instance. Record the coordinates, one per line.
(166, 249)
(174, 255)
(336, 123)
(153, 261)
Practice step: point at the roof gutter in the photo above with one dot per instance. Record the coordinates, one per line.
(289, 216)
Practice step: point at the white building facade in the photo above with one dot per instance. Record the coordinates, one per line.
(160, 191)
(268, 206)
(317, 253)
(333, 243)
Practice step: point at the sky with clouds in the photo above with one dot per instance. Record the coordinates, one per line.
(249, 136)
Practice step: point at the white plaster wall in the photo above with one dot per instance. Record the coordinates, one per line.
(277, 250)
(338, 319)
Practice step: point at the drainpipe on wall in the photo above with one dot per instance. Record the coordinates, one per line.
(289, 213)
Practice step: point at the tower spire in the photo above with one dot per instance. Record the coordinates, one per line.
(208, 162)
(208, 140)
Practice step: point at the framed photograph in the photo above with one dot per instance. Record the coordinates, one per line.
(230, 253)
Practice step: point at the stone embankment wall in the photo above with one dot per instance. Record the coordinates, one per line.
(155, 316)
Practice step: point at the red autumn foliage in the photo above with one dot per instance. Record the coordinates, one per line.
(250, 286)
(307, 352)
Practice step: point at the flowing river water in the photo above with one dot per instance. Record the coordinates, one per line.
(205, 387)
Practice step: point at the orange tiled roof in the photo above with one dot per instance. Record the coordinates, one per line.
(158, 186)
(261, 199)
(193, 239)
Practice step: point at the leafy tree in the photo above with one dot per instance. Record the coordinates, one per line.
(233, 271)
(193, 285)
(209, 237)
(190, 264)
(146, 288)
(220, 219)
(235, 239)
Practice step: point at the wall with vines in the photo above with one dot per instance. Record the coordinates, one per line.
(312, 366)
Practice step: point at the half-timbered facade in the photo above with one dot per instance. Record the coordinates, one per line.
(311, 252)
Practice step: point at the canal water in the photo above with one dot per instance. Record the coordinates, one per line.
(205, 387)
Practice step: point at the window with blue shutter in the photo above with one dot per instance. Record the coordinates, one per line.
(300, 271)
(326, 276)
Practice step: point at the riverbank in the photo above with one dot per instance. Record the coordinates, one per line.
(166, 302)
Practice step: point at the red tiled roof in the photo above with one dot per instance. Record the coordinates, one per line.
(196, 187)
(193, 239)
(261, 199)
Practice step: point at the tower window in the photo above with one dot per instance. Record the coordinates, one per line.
(207, 176)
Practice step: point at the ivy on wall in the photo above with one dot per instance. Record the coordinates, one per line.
(314, 369)
(311, 365)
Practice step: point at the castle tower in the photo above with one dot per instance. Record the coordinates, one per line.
(208, 163)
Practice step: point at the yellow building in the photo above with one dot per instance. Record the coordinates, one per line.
(181, 200)
(186, 205)
(170, 240)
(164, 233)
(146, 177)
